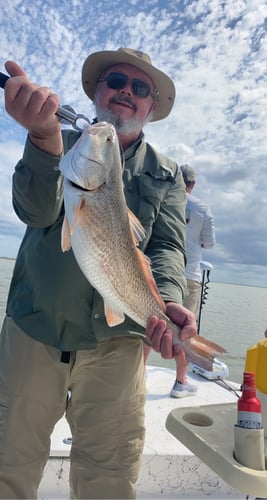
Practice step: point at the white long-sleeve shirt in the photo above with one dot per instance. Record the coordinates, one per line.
(200, 233)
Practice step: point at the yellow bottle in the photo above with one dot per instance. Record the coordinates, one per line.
(256, 362)
(261, 375)
(252, 359)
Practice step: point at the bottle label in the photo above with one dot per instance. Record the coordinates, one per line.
(249, 420)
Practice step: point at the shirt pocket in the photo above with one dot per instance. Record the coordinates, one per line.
(153, 189)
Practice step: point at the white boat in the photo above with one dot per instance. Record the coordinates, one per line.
(169, 469)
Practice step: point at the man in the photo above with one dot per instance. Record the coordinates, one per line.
(200, 233)
(55, 339)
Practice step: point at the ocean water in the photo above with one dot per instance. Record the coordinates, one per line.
(233, 316)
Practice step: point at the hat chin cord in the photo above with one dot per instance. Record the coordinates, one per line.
(150, 112)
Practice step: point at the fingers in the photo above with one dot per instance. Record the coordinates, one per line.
(179, 314)
(160, 336)
(14, 84)
(154, 331)
(31, 105)
(14, 69)
(166, 348)
(184, 318)
(34, 108)
(36, 100)
(25, 97)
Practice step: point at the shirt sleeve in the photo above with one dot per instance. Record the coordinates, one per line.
(37, 185)
(166, 247)
(207, 236)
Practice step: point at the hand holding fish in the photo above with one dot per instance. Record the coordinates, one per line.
(161, 335)
(34, 107)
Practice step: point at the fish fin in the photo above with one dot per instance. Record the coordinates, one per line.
(145, 265)
(113, 317)
(209, 345)
(137, 230)
(201, 351)
(76, 215)
(65, 235)
(138, 234)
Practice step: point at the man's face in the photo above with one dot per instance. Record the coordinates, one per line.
(127, 111)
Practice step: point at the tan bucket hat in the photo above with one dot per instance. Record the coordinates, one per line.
(98, 62)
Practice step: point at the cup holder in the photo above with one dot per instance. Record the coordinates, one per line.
(198, 419)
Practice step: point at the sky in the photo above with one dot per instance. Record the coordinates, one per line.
(215, 52)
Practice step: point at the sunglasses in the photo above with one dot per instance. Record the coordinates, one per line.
(118, 81)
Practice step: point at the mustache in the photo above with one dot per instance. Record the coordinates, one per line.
(120, 98)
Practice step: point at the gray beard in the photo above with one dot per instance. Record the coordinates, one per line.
(122, 127)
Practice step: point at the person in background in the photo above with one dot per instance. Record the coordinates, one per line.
(200, 233)
(55, 340)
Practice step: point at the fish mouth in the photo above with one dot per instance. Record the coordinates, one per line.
(77, 186)
(86, 190)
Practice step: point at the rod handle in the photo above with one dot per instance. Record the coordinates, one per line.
(3, 80)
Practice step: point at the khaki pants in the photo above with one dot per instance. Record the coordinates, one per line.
(192, 300)
(105, 413)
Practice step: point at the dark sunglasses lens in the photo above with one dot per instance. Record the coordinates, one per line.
(140, 88)
(116, 80)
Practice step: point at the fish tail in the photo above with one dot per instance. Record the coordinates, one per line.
(201, 351)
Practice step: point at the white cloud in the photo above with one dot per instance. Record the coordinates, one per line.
(216, 53)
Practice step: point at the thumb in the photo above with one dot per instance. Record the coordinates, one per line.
(14, 69)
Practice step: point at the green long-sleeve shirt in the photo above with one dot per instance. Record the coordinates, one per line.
(49, 297)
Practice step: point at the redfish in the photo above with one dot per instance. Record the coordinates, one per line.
(104, 235)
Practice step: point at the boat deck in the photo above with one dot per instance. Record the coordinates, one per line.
(169, 469)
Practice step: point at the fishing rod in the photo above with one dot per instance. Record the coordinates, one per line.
(65, 113)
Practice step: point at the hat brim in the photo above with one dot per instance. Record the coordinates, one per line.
(96, 63)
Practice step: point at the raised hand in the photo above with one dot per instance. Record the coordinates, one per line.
(34, 107)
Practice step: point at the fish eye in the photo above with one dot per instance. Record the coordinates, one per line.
(109, 139)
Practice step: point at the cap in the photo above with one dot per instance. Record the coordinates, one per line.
(188, 173)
